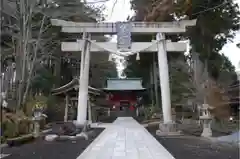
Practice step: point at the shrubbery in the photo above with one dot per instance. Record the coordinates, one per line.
(14, 124)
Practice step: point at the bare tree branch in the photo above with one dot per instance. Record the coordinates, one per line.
(33, 61)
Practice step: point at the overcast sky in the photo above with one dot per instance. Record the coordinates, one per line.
(122, 11)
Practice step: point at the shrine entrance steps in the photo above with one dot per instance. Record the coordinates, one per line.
(125, 138)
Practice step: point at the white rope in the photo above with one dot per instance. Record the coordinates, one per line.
(108, 50)
(124, 54)
(153, 43)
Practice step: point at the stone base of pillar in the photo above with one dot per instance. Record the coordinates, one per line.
(168, 129)
(207, 132)
(82, 127)
(36, 131)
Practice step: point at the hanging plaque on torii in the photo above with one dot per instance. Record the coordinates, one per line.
(124, 30)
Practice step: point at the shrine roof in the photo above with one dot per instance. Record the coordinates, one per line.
(73, 86)
(127, 84)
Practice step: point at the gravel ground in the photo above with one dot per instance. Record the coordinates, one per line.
(191, 147)
(185, 147)
(42, 149)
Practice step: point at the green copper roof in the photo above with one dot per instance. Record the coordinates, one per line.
(124, 84)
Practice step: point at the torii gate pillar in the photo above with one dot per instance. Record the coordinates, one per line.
(167, 126)
(83, 88)
(164, 78)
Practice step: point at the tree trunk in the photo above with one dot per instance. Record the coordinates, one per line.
(33, 62)
(57, 71)
(151, 85)
(21, 53)
(1, 83)
(155, 82)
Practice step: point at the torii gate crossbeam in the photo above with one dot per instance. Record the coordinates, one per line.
(137, 27)
(136, 46)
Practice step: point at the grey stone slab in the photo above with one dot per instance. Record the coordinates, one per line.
(3, 155)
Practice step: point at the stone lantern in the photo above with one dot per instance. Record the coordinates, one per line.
(37, 117)
(206, 117)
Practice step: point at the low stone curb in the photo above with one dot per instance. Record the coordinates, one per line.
(3, 146)
(54, 137)
(183, 130)
(151, 123)
(46, 131)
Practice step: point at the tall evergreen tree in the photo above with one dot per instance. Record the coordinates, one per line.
(217, 22)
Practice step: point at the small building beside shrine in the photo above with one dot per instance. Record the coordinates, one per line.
(69, 91)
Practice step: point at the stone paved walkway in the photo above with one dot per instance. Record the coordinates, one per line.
(125, 139)
(3, 155)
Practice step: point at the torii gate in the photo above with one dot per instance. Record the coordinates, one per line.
(160, 45)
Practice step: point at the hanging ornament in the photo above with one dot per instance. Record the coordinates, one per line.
(110, 58)
(138, 57)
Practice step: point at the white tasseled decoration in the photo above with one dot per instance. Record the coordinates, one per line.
(138, 56)
(110, 58)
